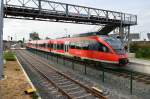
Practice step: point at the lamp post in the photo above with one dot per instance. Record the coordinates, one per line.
(1, 39)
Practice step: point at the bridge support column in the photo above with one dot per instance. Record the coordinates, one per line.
(1, 39)
(39, 5)
(121, 33)
(128, 42)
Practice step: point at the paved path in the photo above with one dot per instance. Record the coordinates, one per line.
(140, 61)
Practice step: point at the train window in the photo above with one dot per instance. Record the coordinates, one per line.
(55, 46)
(60, 46)
(72, 45)
(81, 44)
(114, 42)
(41, 45)
(101, 47)
(49, 45)
(94, 45)
(44, 45)
(89, 45)
(78, 45)
(85, 45)
(52, 45)
(105, 49)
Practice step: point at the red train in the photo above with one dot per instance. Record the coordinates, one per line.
(100, 48)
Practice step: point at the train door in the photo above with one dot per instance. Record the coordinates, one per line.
(66, 46)
(55, 45)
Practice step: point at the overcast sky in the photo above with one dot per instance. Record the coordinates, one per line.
(21, 28)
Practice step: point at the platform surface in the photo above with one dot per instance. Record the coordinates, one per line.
(140, 61)
(15, 82)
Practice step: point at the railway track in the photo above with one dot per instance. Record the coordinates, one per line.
(143, 78)
(59, 83)
(125, 73)
(43, 82)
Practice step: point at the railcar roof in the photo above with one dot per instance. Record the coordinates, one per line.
(62, 40)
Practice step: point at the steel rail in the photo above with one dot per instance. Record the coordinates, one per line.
(41, 73)
(89, 90)
(126, 73)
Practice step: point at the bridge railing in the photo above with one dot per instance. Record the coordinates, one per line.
(74, 10)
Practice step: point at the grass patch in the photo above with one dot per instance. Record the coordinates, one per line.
(34, 95)
(141, 51)
(9, 56)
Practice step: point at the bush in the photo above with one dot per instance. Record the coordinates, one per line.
(9, 56)
(141, 51)
(34, 95)
(133, 48)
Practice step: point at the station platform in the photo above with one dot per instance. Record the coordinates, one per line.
(15, 83)
(140, 61)
(17, 48)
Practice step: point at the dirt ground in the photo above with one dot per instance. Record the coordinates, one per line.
(15, 83)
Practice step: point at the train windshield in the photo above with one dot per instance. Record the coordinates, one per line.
(115, 43)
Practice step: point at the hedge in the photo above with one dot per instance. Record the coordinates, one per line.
(9, 56)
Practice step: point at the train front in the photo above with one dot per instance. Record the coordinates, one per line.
(117, 48)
